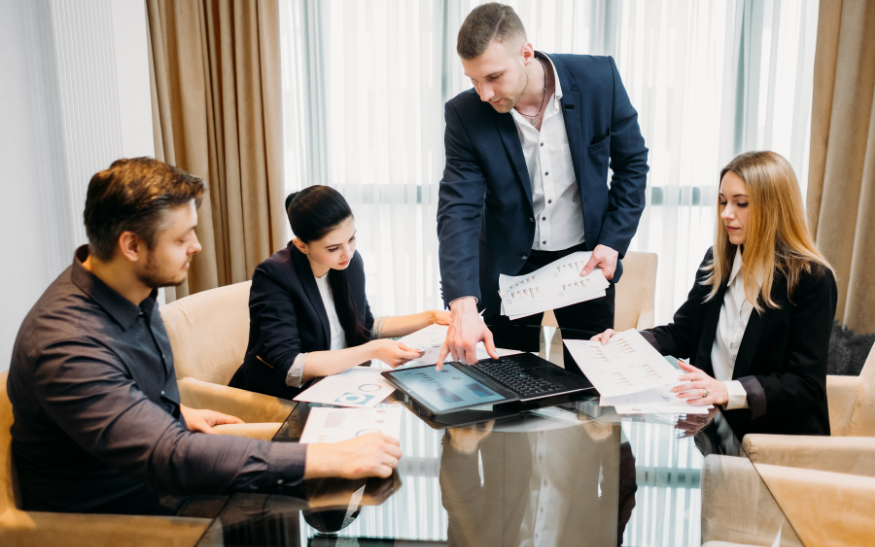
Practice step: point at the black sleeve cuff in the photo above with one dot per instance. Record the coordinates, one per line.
(756, 397)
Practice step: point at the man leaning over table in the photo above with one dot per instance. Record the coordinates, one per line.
(99, 426)
(525, 181)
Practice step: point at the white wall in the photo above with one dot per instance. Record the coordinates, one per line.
(74, 97)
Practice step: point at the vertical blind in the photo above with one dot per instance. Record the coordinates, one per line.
(364, 85)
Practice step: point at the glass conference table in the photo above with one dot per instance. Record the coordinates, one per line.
(565, 472)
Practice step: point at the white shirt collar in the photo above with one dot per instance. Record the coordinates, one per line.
(736, 268)
(557, 92)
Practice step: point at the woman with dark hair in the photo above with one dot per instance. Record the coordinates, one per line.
(309, 316)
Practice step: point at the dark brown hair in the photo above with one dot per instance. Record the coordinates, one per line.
(135, 195)
(484, 24)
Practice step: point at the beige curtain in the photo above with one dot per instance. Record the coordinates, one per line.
(216, 107)
(841, 183)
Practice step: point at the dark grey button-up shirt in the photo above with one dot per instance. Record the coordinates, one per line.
(96, 408)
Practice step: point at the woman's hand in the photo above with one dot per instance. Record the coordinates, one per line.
(440, 317)
(700, 389)
(202, 420)
(392, 352)
(604, 337)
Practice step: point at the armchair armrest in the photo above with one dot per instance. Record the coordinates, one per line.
(737, 506)
(841, 394)
(824, 508)
(260, 431)
(31, 528)
(851, 455)
(246, 405)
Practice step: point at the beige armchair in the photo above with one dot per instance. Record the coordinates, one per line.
(209, 332)
(636, 294)
(746, 504)
(38, 529)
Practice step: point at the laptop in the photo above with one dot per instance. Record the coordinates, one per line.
(513, 378)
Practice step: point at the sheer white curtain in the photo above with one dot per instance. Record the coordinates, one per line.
(365, 82)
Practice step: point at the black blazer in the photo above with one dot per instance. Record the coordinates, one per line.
(782, 360)
(287, 317)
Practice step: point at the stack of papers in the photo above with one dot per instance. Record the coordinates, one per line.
(631, 375)
(359, 387)
(431, 339)
(332, 425)
(556, 285)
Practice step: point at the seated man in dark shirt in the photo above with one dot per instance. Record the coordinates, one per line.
(98, 422)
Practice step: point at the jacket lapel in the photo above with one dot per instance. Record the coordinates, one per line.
(308, 282)
(755, 327)
(511, 140)
(572, 113)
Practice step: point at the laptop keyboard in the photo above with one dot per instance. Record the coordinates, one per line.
(513, 376)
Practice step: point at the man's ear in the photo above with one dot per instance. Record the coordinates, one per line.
(300, 245)
(130, 246)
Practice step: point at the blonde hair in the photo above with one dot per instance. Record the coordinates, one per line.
(778, 239)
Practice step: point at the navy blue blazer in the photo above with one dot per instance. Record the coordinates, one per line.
(785, 350)
(287, 317)
(486, 188)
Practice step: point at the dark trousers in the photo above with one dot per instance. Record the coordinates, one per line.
(592, 317)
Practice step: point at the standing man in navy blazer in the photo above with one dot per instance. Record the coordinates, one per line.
(526, 177)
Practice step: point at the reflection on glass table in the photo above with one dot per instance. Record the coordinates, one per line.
(563, 472)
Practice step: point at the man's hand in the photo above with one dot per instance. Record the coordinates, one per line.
(466, 330)
(371, 455)
(202, 420)
(467, 439)
(602, 257)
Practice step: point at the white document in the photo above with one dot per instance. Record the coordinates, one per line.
(556, 285)
(627, 364)
(332, 425)
(658, 400)
(360, 387)
(431, 339)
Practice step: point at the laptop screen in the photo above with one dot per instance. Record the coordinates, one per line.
(447, 389)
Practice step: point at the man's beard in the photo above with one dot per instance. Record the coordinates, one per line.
(152, 277)
(518, 93)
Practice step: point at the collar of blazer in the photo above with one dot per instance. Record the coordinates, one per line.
(308, 282)
(752, 334)
(573, 122)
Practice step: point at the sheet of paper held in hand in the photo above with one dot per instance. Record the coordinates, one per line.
(556, 285)
(360, 387)
(431, 339)
(331, 425)
(630, 375)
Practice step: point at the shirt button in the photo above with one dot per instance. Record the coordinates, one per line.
(531, 220)
(279, 481)
(162, 392)
(524, 257)
(163, 356)
(546, 173)
(549, 201)
(545, 482)
(543, 218)
(544, 242)
(542, 144)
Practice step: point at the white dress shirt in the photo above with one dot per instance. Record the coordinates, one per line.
(555, 194)
(734, 316)
(338, 335)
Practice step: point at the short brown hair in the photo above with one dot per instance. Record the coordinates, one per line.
(484, 24)
(135, 195)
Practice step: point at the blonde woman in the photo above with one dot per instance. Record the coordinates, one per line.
(756, 324)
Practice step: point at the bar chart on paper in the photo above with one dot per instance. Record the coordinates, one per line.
(556, 285)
